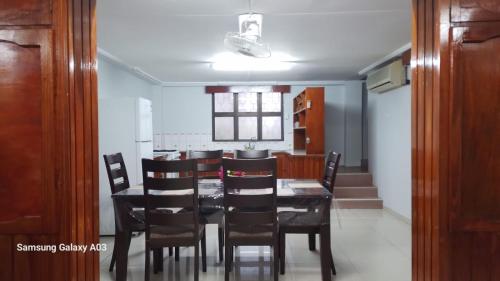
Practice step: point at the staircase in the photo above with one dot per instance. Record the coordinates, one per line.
(356, 191)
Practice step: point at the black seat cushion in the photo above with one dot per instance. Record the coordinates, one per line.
(173, 235)
(251, 235)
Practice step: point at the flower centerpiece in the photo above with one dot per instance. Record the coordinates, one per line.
(230, 173)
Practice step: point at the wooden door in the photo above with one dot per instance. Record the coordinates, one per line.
(48, 169)
(475, 152)
(456, 136)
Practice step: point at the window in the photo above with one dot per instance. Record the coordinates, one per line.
(247, 116)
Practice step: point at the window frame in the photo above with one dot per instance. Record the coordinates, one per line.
(236, 114)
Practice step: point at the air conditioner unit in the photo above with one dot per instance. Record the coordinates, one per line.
(386, 78)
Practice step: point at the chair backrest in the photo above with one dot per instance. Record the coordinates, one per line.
(331, 167)
(252, 154)
(171, 192)
(209, 162)
(250, 200)
(117, 172)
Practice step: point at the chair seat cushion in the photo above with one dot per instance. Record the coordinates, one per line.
(246, 238)
(251, 235)
(173, 235)
(306, 219)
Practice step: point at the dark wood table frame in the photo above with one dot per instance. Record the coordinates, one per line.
(211, 194)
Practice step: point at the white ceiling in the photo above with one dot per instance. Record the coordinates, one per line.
(174, 40)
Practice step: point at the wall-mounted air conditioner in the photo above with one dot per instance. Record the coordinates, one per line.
(386, 78)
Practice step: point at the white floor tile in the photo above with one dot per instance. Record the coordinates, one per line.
(367, 245)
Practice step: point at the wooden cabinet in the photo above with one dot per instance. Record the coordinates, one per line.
(282, 159)
(293, 166)
(308, 121)
(299, 166)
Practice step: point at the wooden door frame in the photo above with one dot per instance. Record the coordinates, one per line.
(429, 133)
(76, 64)
(430, 87)
(429, 138)
(82, 46)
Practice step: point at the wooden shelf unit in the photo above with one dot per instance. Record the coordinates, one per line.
(308, 120)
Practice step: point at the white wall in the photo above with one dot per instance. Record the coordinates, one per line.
(183, 115)
(335, 97)
(353, 123)
(389, 147)
(116, 82)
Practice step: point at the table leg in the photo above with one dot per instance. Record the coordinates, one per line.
(325, 241)
(325, 253)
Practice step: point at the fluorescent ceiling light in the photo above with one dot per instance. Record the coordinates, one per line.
(235, 62)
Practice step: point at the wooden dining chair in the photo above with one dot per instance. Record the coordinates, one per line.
(252, 154)
(250, 208)
(209, 166)
(173, 229)
(209, 162)
(310, 221)
(118, 181)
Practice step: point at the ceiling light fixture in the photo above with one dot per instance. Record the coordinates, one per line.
(233, 62)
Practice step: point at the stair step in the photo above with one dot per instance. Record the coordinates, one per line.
(353, 179)
(359, 203)
(355, 192)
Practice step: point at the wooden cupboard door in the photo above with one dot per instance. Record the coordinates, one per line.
(25, 12)
(27, 188)
(475, 10)
(474, 159)
(315, 120)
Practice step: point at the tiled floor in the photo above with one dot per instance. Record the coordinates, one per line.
(368, 245)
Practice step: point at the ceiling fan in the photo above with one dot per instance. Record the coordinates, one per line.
(248, 40)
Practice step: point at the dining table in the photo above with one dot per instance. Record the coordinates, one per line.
(296, 193)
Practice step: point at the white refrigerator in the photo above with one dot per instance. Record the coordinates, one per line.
(126, 126)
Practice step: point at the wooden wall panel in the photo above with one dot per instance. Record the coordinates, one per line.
(25, 12)
(475, 10)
